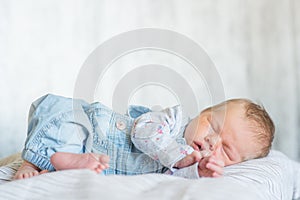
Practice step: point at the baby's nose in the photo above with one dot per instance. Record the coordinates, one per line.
(212, 140)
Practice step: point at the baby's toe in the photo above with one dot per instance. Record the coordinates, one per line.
(100, 168)
(31, 174)
(18, 176)
(26, 175)
(35, 173)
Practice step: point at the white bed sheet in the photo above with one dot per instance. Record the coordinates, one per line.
(84, 184)
(274, 177)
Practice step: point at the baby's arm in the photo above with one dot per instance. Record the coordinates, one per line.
(207, 167)
(155, 134)
(190, 159)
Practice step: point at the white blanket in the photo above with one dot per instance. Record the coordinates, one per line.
(274, 177)
(84, 184)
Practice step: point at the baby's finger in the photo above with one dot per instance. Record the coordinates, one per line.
(188, 160)
(216, 161)
(197, 156)
(203, 163)
(215, 168)
(216, 175)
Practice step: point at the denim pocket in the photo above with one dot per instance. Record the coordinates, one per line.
(100, 117)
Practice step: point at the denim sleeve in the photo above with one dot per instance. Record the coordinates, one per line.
(156, 134)
(56, 124)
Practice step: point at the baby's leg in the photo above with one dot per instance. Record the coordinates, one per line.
(28, 170)
(95, 162)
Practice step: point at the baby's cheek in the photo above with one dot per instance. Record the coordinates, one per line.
(189, 140)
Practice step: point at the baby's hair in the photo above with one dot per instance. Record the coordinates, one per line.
(261, 124)
(265, 127)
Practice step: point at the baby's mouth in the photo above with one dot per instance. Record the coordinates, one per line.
(197, 146)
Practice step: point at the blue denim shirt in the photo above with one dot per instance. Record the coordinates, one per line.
(59, 124)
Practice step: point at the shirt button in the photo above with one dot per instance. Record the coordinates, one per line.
(121, 125)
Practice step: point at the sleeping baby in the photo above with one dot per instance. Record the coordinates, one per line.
(65, 133)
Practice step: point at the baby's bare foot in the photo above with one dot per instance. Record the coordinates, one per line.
(95, 162)
(27, 170)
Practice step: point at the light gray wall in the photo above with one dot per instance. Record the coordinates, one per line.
(296, 34)
(255, 45)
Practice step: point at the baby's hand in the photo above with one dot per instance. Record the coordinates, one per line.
(189, 160)
(211, 167)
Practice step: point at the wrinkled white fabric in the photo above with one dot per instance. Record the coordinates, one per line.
(272, 178)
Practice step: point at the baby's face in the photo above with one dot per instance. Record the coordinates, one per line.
(224, 133)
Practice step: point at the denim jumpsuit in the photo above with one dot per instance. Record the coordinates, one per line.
(59, 124)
